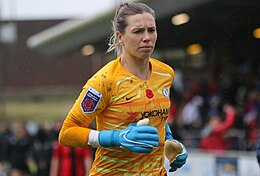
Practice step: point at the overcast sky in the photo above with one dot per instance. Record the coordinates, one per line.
(52, 9)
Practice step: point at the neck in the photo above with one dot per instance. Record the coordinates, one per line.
(138, 67)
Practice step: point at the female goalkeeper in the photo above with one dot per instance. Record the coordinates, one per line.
(127, 89)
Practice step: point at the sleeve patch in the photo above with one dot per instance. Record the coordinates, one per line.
(90, 100)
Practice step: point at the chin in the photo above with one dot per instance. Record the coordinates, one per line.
(145, 55)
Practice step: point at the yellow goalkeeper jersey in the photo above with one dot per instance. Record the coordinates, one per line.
(116, 98)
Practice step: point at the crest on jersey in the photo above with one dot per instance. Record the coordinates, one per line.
(90, 100)
(165, 92)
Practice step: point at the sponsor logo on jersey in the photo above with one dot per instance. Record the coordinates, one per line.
(132, 115)
(160, 113)
(90, 100)
(153, 113)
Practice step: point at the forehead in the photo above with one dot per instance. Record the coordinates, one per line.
(140, 20)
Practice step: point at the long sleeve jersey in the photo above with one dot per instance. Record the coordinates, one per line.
(117, 98)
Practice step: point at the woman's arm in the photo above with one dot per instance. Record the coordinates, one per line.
(229, 119)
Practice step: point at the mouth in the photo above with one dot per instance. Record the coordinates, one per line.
(146, 47)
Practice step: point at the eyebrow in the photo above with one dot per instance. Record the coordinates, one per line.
(149, 27)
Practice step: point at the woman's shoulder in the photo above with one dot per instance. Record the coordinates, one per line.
(107, 72)
(160, 66)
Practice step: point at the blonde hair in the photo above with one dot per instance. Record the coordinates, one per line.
(119, 22)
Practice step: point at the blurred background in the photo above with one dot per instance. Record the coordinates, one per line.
(48, 50)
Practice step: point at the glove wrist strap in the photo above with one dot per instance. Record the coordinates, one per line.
(109, 138)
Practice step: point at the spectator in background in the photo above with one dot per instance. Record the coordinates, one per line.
(67, 161)
(191, 115)
(4, 135)
(213, 133)
(19, 144)
(258, 150)
(42, 149)
(251, 118)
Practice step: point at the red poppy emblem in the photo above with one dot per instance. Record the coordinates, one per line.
(149, 93)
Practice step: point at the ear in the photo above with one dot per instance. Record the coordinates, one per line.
(119, 37)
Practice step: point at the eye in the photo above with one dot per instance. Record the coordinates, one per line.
(138, 31)
(151, 30)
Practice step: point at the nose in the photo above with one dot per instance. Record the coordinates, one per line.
(146, 37)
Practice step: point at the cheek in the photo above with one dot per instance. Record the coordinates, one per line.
(154, 38)
(131, 43)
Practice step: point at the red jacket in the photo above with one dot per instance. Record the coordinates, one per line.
(215, 140)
